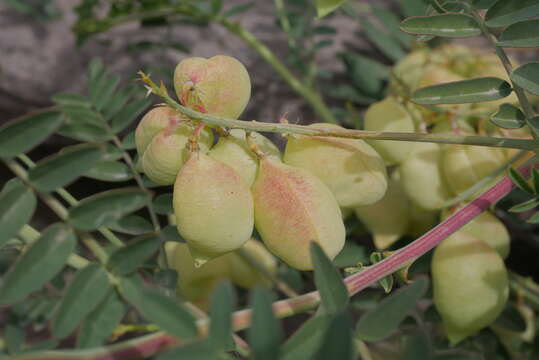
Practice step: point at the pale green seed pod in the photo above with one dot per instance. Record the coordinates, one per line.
(446, 127)
(234, 151)
(422, 178)
(421, 220)
(491, 230)
(244, 274)
(294, 208)
(409, 69)
(219, 85)
(387, 219)
(155, 120)
(470, 285)
(351, 168)
(167, 152)
(213, 208)
(464, 165)
(389, 115)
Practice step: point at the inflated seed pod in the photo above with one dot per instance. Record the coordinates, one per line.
(351, 168)
(470, 285)
(213, 207)
(294, 208)
(155, 120)
(446, 127)
(389, 115)
(421, 220)
(491, 230)
(422, 178)
(243, 273)
(409, 69)
(219, 85)
(464, 165)
(234, 151)
(167, 152)
(387, 219)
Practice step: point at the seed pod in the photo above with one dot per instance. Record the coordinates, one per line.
(389, 115)
(219, 85)
(213, 208)
(464, 165)
(167, 152)
(446, 127)
(469, 283)
(351, 168)
(491, 230)
(243, 273)
(234, 151)
(155, 120)
(388, 219)
(421, 220)
(294, 208)
(421, 177)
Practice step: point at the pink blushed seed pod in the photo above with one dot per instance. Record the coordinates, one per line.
(153, 123)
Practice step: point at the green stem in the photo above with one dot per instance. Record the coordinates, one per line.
(285, 24)
(338, 132)
(72, 201)
(312, 97)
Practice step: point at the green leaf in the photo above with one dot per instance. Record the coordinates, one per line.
(392, 23)
(107, 207)
(368, 75)
(519, 181)
(337, 343)
(534, 124)
(163, 204)
(465, 91)
(95, 69)
(110, 171)
(414, 7)
(352, 254)
(507, 12)
(534, 219)
(416, 346)
(115, 104)
(511, 319)
(163, 311)
(128, 114)
(326, 7)
(170, 232)
(132, 225)
(306, 341)
(17, 206)
(14, 337)
(61, 169)
(527, 77)
(238, 9)
(76, 114)
(103, 91)
(380, 322)
(509, 116)
(443, 25)
(265, 333)
(328, 281)
(525, 206)
(483, 4)
(23, 134)
(127, 259)
(521, 34)
(128, 142)
(216, 6)
(39, 264)
(384, 42)
(535, 178)
(71, 99)
(196, 351)
(84, 131)
(101, 322)
(89, 287)
(223, 302)
(387, 281)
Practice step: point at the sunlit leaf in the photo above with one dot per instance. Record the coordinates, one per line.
(444, 25)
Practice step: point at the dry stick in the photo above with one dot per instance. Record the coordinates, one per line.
(153, 343)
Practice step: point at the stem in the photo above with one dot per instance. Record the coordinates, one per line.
(312, 97)
(336, 132)
(64, 194)
(151, 344)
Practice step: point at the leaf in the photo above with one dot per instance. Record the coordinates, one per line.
(367, 74)
(195, 351)
(95, 69)
(107, 207)
(414, 7)
(483, 4)
(17, 206)
(14, 337)
(129, 258)
(534, 124)
(326, 7)
(511, 319)
(163, 204)
(416, 346)
(509, 116)
(534, 219)
(519, 181)
(71, 99)
(238, 9)
(535, 178)
(89, 287)
(380, 322)
(39, 264)
(128, 114)
(328, 281)
(527, 77)
(23, 134)
(101, 322)
(465, 91)
(507, 12)
(103, 91)
(525, 206)
(337, 343)
(385, 43)
(223, 302)
(387, 281)
(170, 232)
(110, 171)
(61, 169)
(306, 341)
(85, 132)
(163, 311)
(443, 25)
(128, 142)
(351, 255)
(521, 34)
(76, 114)
(265, 333)
(392, 23)
(132, 225)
